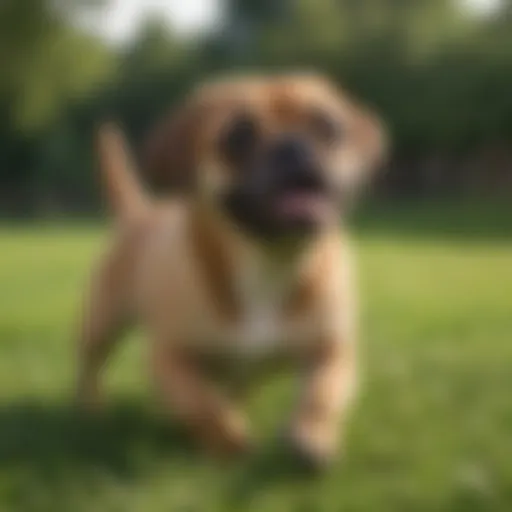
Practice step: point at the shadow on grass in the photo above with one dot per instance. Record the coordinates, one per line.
(51, 439)
(273, 467)
(56, 448)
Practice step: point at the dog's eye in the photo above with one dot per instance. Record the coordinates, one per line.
(328, 129)
(239, 139)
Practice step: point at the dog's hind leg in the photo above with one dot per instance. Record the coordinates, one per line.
(108, 301)
(104, 319)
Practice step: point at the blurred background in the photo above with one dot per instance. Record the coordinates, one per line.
(439, 71)
(432, 430)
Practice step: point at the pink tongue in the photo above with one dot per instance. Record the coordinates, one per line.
(301, 205)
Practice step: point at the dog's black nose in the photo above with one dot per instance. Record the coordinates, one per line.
(290, 153)
(295, 163)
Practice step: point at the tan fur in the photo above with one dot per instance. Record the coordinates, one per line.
(200, 288)
(183, 141)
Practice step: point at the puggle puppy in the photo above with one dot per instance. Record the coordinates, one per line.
(247, 265)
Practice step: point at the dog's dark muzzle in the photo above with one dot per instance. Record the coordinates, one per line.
(293, 167)
(285, 194)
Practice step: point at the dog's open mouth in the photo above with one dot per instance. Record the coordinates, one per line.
(289, 212)
(303, 206)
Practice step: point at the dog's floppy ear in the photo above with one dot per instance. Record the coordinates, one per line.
(171, 150)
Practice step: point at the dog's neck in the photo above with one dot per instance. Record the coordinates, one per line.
(239, 270)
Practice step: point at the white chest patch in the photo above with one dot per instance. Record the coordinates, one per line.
(264, 328)
(262, 294)
(261, 331)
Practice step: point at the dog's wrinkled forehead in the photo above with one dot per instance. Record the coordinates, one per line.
(275, 105)
(191, 137)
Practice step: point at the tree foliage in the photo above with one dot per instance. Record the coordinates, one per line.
(440, 75)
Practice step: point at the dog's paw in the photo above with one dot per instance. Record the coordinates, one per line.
(310, 458)
(228, 447)
(223, 441)
(237, 447)
(315, 453)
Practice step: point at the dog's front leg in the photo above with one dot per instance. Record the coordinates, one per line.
(210, 416)
(328, 389)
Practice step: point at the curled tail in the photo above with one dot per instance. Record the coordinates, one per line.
(124, 193)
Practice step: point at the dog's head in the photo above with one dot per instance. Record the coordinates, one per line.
(278, 155)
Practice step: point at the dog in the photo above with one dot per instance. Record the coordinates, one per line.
(248, 264)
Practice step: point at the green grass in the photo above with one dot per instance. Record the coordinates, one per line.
(432, 430)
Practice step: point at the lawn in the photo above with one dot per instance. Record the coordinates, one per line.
(432, 430)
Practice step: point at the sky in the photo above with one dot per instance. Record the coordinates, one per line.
(482, 5)
(119, 22)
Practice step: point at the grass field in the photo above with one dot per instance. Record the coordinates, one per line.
(432, 430)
